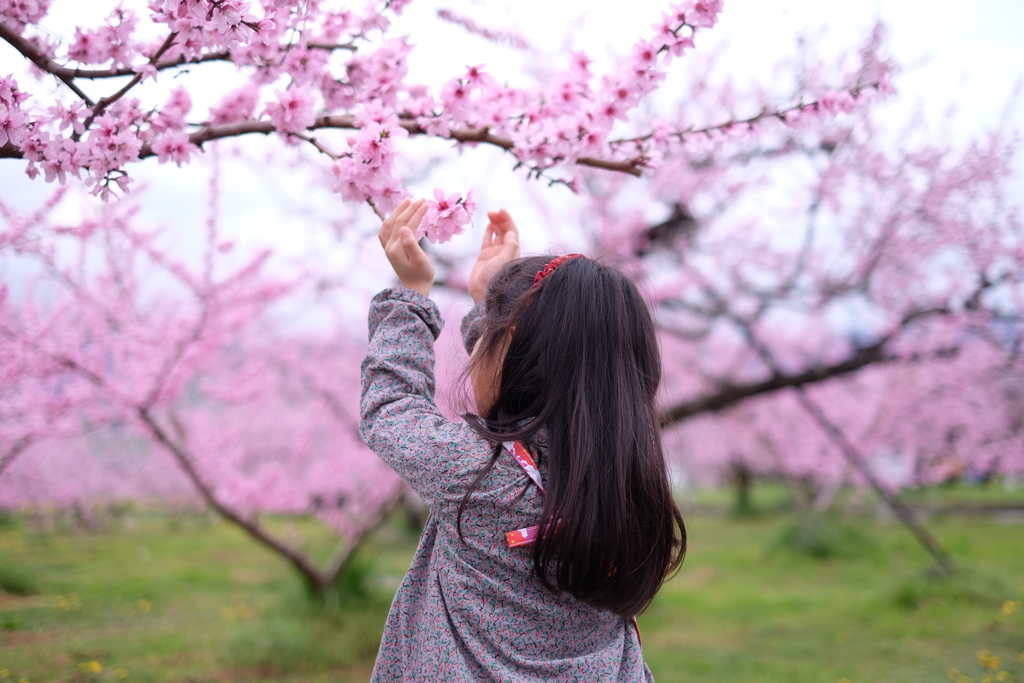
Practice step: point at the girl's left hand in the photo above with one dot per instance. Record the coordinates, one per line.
(398, 237)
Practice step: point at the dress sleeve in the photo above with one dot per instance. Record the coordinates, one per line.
(473, 326)
(399, 420)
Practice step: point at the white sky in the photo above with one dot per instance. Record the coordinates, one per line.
(969, 55)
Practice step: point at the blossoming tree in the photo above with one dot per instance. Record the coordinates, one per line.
(911, 239)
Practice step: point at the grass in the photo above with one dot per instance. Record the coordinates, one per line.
(774, 496)
(182, 598)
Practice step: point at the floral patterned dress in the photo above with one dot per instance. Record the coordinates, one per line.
(469, 610)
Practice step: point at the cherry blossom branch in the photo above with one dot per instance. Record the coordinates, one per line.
(728, 395)
(299, 561)
(493, 35)
(852, 454)
(105, 102)
(16, 449)
(32, 52)
(751, 121)
(347, 122)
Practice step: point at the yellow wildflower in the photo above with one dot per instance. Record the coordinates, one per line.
(95, 667)
(843, 680)
(121, 673)
(5, 673)
(988, 660)
(1011, 606)
(145, 606)
(987, 678)
(952, 672)
(1003, 676)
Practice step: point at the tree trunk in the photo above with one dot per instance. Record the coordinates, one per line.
(931, 545)
(319, 581)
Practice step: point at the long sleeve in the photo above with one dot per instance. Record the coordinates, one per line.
(399, 420)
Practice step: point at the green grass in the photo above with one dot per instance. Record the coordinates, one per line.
(162, 598)
(774, 496)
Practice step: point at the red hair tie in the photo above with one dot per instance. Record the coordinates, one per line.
(550, 267)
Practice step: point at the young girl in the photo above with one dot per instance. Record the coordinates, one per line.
(552, 522)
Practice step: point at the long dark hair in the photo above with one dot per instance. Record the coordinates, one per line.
(582, 362)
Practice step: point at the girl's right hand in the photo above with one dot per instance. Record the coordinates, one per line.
(398, 237)
(500, 245)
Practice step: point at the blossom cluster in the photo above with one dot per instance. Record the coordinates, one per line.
(13, 121)
(556, 124)
(446, 216)
(367, 172)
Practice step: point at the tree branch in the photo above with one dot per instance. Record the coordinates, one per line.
(347, 122)
(729, 395)
(13, 452)
(295, 558)
(31, 52)
(105, 102)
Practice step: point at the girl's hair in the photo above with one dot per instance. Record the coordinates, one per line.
(582, 362)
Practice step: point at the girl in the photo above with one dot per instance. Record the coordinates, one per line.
(552, 523)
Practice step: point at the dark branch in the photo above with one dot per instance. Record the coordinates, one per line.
(16, 449)
(31, 52)
(466, 135)
(729, 395)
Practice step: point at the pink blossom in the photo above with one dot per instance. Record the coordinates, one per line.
(22, 12)
(293, 110)
(446, 217)
(581, 62)
(69, 116)
(237, 105)
(13, 126)
(10, 95)
(172, 115)
(835, 102)
(175, 147)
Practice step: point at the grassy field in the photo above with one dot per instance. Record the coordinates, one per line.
(184, 598)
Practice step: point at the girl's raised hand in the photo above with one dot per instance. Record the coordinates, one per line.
(398, 237)
(500, 245)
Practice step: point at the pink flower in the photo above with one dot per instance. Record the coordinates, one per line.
(835, 102)
(10, 96)
(237, 105)
(446, 217)
(13, 126)
(172, 115)
(175, 147)
(293, 110)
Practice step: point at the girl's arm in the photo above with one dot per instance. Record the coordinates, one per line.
(399, 419)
